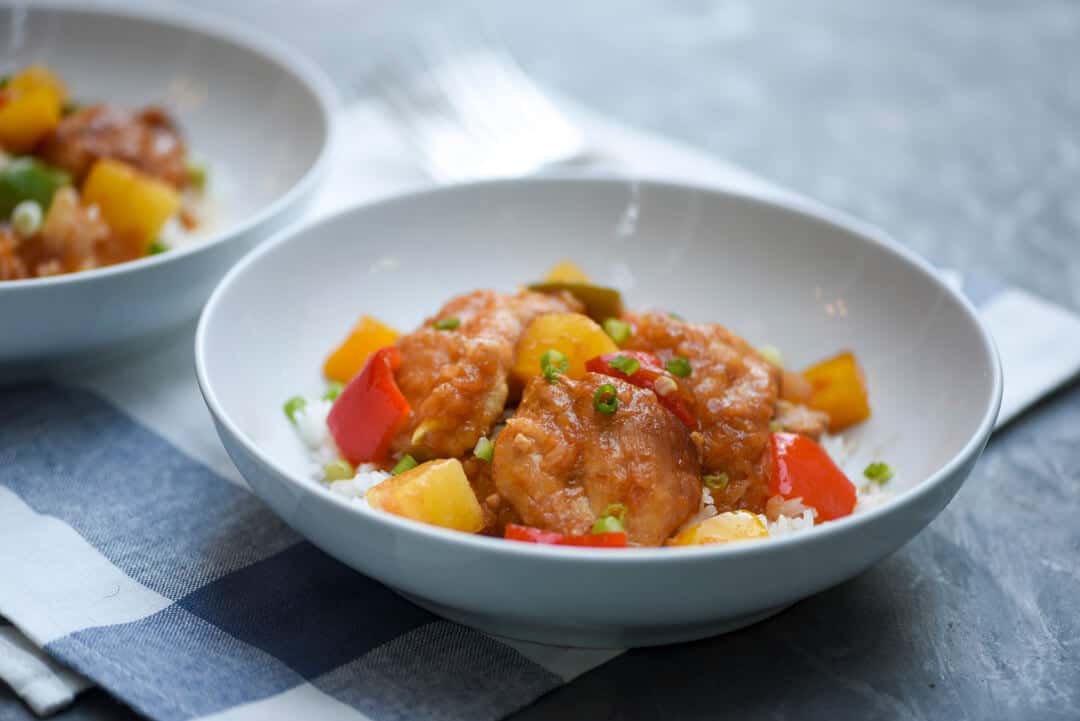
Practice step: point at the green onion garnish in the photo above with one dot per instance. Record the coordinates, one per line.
(5, 80)
(716, 481)
(617, 510)
(197, 176)
(485, 449)
(607, 524)
(552, 364)
(679, 367)
(627, 365)
(407, 463)
(772, 354)
(339, 470)
(879, 472)
(447, 323)
(612, 520)
(606, 399)
(776, 427)
(294, 404)
(333, 391)
(619, 331)
(69, 107)
(26, 218)
(156, 247)
(675, 316)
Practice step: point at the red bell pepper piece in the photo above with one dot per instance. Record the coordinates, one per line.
(528, 534)
(802, 469)
(671, 392)
(370, 410)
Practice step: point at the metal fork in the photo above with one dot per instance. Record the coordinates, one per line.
(471, 112)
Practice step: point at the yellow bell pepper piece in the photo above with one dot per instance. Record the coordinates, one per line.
(566, 272)
(839, 389)
(134, 205)
(436, 492)
(34, 77)
(574, 335)
(28, 117)
(722, 528)
(367, 336)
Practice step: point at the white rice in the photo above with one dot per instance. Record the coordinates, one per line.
(312, 430)
(357, 487)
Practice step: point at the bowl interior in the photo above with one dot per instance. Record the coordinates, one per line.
(773, 274)
(251, 114)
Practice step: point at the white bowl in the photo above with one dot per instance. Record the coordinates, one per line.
(803, 279)
(258, 113)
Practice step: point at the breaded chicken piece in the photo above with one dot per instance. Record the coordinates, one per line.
(560, 462)
(456, 379)
(736, 391)
(145, 139)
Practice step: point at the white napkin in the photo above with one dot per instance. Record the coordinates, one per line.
(159, 389)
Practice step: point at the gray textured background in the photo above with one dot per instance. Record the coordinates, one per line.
(955, 125)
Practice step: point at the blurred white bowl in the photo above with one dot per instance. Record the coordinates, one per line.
(258, 113)
(803, 279)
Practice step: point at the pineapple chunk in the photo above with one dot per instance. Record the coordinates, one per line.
(572, 334)
(566, 272)
(35, 77)
(134, 205)
(725, 527)
(436, 492)
(27, 118)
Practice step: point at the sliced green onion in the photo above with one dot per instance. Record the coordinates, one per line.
(333, 391)
(675, 316)
(776, 427)
(679, 367)
(618, 330)
(339, 470)
(879, 472)
(716, 481)
(616, 510)
(156, 247)
(69, 107)
(447, 323)
(606, 399)
(484, 450)
(612, 520)
(608, 524)
(5, 80)
(625, 364)
(553, 364)
(293, 405)
(197, 176)
(407, 463)
(772, 354)
(26, 218)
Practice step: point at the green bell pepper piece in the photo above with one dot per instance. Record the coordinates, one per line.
(29, 179)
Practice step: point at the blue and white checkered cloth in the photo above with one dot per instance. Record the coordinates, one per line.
(132, 554)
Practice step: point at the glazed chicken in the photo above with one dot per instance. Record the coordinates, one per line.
(736, 391)
(73, 238)
(145, 139)
(551, 416)
(560, 462)
(456, 379)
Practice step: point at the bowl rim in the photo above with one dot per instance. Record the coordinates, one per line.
(228, 31)
(805, 209)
